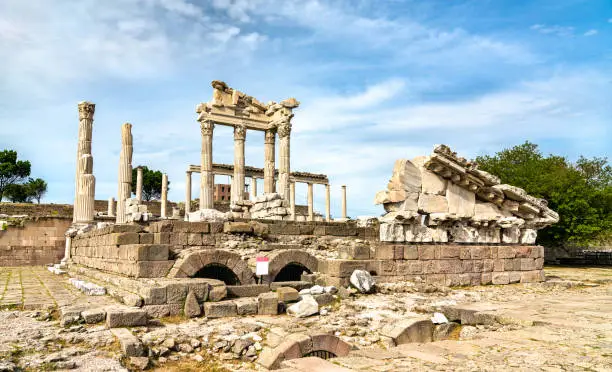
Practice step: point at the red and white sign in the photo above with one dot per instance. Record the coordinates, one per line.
(262, 266)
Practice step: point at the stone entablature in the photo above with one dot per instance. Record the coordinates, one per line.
(445, 198)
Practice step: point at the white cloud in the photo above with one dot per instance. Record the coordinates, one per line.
(47, 47)
(591, 32)
(553, 30)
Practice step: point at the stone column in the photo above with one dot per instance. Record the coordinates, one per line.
(207, 178)
(187, 194)
(111, 207)
(139, 184)
(238, 180)
(125, 172)
(284, 169)
(310, 202)
(164, 195)
(269, 166)
(67, 248)
(84, 213)
(327, 203)
(292, 200)
(343, 201)
(254, 187)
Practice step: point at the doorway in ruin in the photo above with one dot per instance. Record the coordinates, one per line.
(292, 272)
(219, 272)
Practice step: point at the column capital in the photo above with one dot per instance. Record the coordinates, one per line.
(86, 110)
(207, 126)
(239, 132)
(284, 128)
(270, 135)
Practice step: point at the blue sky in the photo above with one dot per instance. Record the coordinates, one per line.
(378, 81)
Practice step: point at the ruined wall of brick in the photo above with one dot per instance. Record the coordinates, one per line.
(152, 250)
(39, 241)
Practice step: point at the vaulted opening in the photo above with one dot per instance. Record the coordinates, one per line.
(292, 272)
(219, 272)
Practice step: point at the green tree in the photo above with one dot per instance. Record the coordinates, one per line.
(12, 171)
(580, 192)
(37, 188)
(18, 193)
(151, 183)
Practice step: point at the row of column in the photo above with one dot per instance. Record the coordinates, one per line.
(283, 130)
(291, 197)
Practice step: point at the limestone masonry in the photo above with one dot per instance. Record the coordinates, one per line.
(446, 223)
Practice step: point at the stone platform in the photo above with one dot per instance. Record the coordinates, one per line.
(155, 265)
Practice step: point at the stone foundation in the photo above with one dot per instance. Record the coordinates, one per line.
(330, 250)
(39, 241)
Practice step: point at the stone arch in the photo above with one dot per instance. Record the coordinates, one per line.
(299, 345)
(195, 262)
(281, 259)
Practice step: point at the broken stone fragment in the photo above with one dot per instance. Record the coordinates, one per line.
(306, 307)
(362, 280)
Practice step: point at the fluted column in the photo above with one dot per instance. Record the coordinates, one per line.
(125, 171)
(310, 203)
(139, 184)
(187, 194)
(269, 166)
(284, 169)
(111, 207)
(343, 201)
(327, 203)
(84, 165)
(164, 195)
(238, 180)
(206, 173)
(292, 200)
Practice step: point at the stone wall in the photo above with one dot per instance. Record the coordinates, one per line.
(39, 241)
(180, 249)
(36, 210)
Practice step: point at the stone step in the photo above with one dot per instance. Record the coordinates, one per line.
(249, 290)
(299, 285)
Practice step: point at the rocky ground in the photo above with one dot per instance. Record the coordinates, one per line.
(562, 324)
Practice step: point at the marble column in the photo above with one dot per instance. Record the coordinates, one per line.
(284, 168)
(310, 203)
(207, 177)
(327, 203)
(292, 200)
(238, 180)
(139, 184)
(125, 172)
(269, 166)
(254, 187)
(84, 165)
(187, 194)
(164, 195)
(343, 201)
(111, 207)
(67, 248)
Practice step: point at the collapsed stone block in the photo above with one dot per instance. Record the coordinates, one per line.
(267, 304)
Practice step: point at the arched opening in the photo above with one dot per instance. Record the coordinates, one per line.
(219, 272)
(292, 272)
(323, 354)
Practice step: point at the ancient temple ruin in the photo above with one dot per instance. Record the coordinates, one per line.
(445, 198)
(446, 223)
